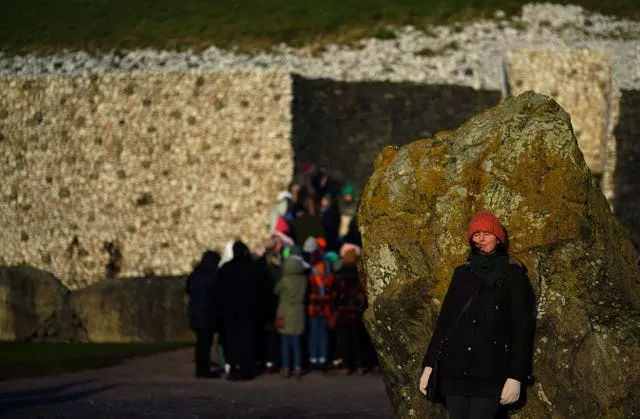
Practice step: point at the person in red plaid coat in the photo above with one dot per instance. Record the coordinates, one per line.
(319, 310)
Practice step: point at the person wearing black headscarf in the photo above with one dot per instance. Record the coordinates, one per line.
(483, 340)
(202, 319)
(240, 307)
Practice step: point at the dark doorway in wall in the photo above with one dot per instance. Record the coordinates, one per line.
(344, 125)
(626, 177)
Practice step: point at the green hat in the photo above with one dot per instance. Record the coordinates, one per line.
(286, 252)
(348, 189)
(331, 256)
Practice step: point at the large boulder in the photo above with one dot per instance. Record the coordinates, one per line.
(134, 310)
(28, 296)
(520, 160)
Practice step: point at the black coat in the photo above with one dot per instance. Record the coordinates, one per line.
(493, 339)
(239, 307)
(238, 292)
(200, 287)
(306, 226)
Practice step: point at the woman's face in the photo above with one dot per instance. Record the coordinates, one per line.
(485, 242)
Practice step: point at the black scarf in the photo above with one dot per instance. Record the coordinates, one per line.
(490, 267)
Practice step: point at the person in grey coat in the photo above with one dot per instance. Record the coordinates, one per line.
(202, 317)
(290, 314)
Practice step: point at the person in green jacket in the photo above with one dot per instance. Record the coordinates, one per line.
(290, 314)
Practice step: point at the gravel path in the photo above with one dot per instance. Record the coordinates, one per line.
(161, 386)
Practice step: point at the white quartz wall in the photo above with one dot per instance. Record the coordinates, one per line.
(161, 166)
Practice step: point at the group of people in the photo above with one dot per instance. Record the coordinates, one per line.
(297, 304)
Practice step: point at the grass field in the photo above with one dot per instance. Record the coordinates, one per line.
(20, 359)
(95, 25)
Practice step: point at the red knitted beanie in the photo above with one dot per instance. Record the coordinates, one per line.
(486, 221)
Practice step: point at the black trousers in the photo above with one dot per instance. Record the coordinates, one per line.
(350, 345)
(240, 349)
(470, 407)
(273, 347)
(204, 339)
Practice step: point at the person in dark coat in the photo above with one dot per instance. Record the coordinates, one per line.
(353, 234)
(330, 216)
(305, 224)
(239, 308)
(348, 303)
(271, 263)
(487, 355)
(202, 318)
(323, 184)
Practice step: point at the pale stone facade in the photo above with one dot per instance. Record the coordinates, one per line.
(138, 174)
(127, 175)
(580, 81)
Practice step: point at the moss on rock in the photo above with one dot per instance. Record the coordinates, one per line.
(520, 160)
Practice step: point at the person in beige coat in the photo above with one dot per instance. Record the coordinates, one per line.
(290, 314)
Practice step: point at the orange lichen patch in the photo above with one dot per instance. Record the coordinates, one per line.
(378, 197)
(441, 135)
(385, 157)
(431, 182)
(418, 150)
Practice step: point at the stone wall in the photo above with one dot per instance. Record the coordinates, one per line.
(626, 173)
(133, 175)
(344, 125)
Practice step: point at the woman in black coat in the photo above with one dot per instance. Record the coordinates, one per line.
(202, 318)
(239, 306)
(486, 355)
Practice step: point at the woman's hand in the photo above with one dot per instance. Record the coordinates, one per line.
(510, 391)
(424, 379)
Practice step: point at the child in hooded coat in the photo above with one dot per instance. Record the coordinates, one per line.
(290, 314)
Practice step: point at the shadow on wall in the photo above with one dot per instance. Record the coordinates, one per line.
(627, 176)
(343, 125)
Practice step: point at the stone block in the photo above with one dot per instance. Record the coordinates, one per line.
(579, 80)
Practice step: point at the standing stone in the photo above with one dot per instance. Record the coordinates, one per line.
(520, 160)
(28, 296)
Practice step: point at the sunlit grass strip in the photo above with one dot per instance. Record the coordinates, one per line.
(98, 25)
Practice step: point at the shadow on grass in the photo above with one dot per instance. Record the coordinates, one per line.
(35, 397)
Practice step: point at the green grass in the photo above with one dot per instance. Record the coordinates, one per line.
(20, 359)
(49, 25)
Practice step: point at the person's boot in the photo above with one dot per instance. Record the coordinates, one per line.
(271, 368)
(285, 372)
(297, 373)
